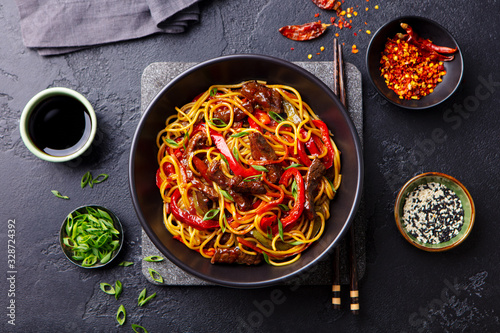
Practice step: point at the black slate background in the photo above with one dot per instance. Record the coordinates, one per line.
(404, 289)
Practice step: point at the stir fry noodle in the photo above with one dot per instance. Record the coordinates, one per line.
(247, 173)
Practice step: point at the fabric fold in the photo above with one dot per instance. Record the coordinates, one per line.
(55, 27)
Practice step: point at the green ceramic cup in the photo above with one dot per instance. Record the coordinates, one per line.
(452, 184)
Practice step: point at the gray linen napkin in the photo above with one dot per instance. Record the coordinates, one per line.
(60, 26)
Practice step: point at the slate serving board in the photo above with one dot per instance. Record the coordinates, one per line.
(158, 74)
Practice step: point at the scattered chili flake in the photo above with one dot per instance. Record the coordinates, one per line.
(309, 56)
(408, 70)
(355, 13)
(376, 6)
(368, 32)
(292, 48)
(354, 49)
(366, 8)
(322, 48)
(355, 34)
(336, 34)
(316, 15)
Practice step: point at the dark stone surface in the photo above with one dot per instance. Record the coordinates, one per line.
(404, 289)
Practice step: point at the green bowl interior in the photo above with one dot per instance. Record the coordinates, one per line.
(67, 251)
(464, 199)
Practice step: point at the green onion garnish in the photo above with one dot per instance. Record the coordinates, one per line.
(118, 288)
(222, 157)
(221, 124)
(155, 275)
(223, 225)
(284, 207)
(172, 143)
(276, 116)
(154, 259)
(252, 178)
(260, 168)
(107, 288)
(266, 257)
(126, 263)
(331, 184)
(121, 315)
(211, 214)
(226, 195)
(280, 229)
(236, 154)
(239, 134)
(59, 195)
(294, 165)
(143, 330)
(142, 299)
(213, 92)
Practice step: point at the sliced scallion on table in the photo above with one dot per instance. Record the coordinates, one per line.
(126, 263)
(155, 275)
(154, 259)
(141, 329)
(121, 315)
(59, 195)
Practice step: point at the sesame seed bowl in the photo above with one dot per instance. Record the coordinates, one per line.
(426, 30)
(434, 212)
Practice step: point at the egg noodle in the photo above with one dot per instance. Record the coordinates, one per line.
(260, 230)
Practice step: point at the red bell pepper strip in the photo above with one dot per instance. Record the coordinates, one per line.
(267, 221)
(310, 144)
(202, 168)
(249, 245)
(325, 136)
(190, 217)
(168, 170)
(235, 167)
(253, 124)
(297, 209)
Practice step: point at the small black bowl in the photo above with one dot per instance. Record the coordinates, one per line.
(426, 29)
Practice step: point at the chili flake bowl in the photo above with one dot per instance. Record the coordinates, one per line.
(104, 219)
(426, 29)
(450, 183)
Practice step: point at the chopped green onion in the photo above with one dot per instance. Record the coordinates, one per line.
(142, 299)
(223, 224)
(222, 157)
(107, 288)
(186, 139)
(239, 134)
(134, 327)
(266, 257)
(236, 154)
(294, 189)
(213, 92)
(172, 143)
(294, 165)
(85, 179)
(276, 116)
(211, 214)
(296, 243)
(269, 233)
(221, 124)
(280, 229)
(226, 195)
(331, 184)
(155, 275)
(91, 236)
(154, 259)
(252, 178)
(59, 195)
(284, 207)
(260, 168)
(121, 315)
(118, 288)
(99, 179)
(126, 263)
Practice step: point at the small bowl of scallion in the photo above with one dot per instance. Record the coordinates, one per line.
(91, 236)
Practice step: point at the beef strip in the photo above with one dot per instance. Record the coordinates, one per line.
(235, 255)
(259, 95)
(215, 174)
(312, 180)
(195, 142)
(224, 114)
(262, 151)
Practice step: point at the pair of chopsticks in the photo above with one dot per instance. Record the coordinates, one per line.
(340, 91)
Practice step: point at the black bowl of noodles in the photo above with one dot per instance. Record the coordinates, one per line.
(233, 69)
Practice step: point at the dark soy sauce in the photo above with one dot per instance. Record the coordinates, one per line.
(59, 125)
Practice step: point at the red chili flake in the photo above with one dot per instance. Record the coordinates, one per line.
(355, 34)
(316, 15)
(292, 48)
(408, 70)
(332, 20)
(303, 32)
(317, 53)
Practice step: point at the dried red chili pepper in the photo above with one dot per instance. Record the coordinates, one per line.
(425, 43)
(327, 4)
(305, 31)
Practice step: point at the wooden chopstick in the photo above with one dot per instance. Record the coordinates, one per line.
(340, 91)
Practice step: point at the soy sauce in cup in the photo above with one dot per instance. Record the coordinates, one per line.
(58, 124)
